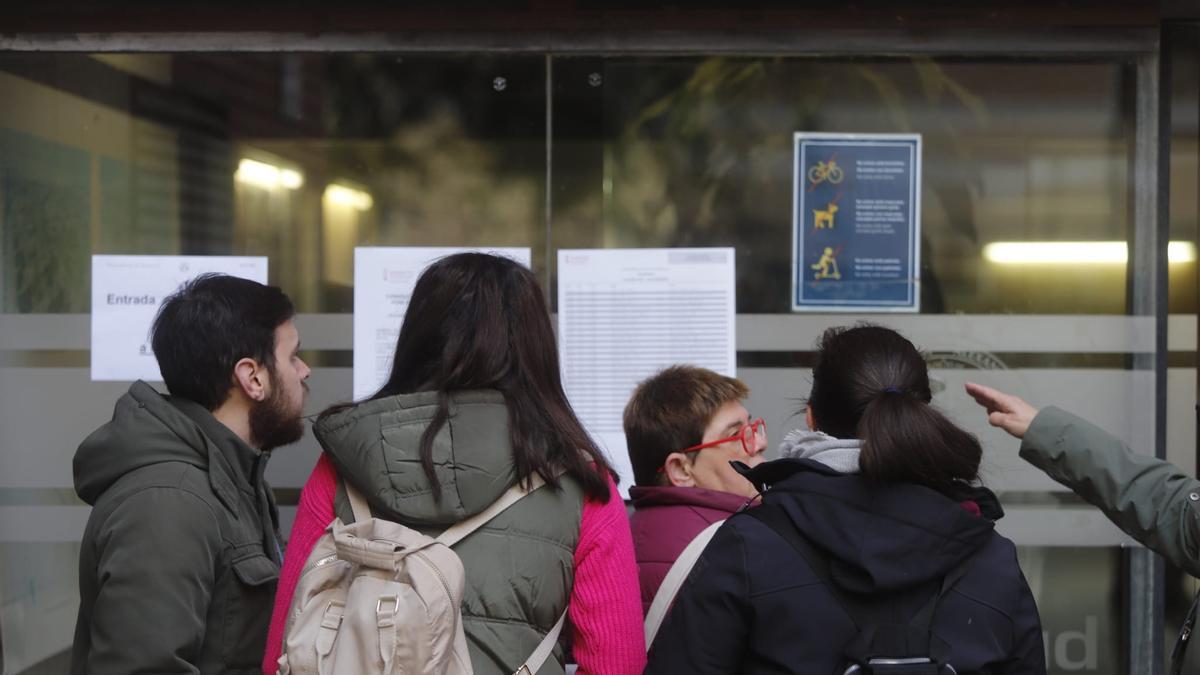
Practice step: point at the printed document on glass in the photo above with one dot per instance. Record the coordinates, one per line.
(384, 278)
(625, 314)
(127, 291)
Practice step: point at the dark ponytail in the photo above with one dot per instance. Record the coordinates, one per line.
(872, 384)
(905, 440)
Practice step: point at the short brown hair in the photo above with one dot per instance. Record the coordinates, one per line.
(669, 411)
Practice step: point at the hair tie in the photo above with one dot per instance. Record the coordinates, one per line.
(892, 390)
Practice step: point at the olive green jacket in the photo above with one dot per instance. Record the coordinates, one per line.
(179, 560)
(1151, 500)
(519, 566)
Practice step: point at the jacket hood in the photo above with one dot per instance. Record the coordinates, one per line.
(375, 446)
(880, 538)
(146, 428)
(661, 495)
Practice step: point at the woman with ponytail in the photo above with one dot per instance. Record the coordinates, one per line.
(874, 542)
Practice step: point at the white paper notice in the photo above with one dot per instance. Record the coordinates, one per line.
(624, 314)
(127, 291)
(384, 278)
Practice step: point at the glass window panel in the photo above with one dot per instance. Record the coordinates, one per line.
(698, 152)
(297, 157)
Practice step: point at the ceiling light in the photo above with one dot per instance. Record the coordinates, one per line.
(267, 176)
(343, 195)
(1075, 252)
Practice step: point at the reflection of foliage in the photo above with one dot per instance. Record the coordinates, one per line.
(946, 141)
(667, 130)
(710, 78)
(936, 82)
(451, 160)
(709, 162)
(452, 189)
(45, 246)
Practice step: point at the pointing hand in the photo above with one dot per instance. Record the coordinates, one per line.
(1004, 410)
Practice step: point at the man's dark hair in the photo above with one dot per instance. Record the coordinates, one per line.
(213, 321)
(669, 412)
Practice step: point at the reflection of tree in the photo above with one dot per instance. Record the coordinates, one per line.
(709, 162)
(449, 158)
(46, 246)
(451, 188)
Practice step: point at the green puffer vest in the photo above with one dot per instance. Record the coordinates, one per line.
(520, 565)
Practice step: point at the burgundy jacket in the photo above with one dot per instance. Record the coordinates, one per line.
(665, 520)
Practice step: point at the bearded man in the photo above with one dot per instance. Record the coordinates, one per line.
(179, 561)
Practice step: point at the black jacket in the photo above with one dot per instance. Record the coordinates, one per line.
(752, 604)
(178, 564)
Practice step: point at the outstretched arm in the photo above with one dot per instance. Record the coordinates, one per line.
(1149, 499)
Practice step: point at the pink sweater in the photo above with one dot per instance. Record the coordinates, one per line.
(605, 608)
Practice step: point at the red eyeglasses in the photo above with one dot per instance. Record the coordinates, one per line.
(748, 435)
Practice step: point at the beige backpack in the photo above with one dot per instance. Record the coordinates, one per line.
(376, 597)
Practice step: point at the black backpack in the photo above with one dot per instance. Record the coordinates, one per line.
(878, 648)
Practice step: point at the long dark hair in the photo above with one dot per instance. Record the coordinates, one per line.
(872, 384)
(479, 321)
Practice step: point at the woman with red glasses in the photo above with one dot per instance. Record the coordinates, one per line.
(874, 549)
(683, 427)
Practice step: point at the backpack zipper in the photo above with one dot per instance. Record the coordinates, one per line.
(319, 564)
(438, 574)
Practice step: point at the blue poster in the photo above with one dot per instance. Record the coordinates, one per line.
(857, 223)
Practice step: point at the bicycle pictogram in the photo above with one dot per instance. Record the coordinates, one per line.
(825, 171)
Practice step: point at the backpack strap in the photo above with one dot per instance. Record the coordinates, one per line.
(675, 577)
(460, 530)
(457, 532)
(358, 504)
(543, 650)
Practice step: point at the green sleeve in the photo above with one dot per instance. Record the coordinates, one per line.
(157, 553)
(1150, 499)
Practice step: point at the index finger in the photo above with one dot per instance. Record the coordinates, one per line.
(985, 396)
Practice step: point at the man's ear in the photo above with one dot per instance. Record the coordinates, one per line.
(678, 469)
(251, 378)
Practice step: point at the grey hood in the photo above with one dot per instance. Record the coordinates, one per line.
(150, 428)
(376, 448)
(145, 429)
(839, 454)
